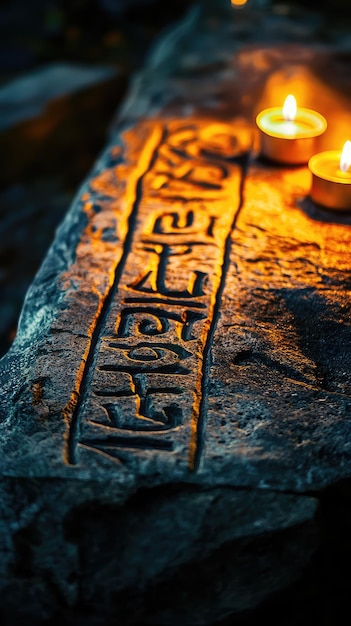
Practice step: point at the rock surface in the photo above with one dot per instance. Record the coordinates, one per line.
(28, 96)
(51, 107)
(177, 396)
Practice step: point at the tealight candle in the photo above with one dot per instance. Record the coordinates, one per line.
(331, 178)
(289, 134)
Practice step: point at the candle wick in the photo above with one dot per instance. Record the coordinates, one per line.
(345, 159)
(344, 166)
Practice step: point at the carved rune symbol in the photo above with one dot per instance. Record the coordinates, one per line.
(184, 224)
(155, 280)
(145, 416)
(151, 322)
(145, 406)
(147, 358)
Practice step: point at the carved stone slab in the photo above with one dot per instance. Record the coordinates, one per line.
(179, 384)
(108, 387)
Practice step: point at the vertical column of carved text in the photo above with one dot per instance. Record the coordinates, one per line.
(147, 384)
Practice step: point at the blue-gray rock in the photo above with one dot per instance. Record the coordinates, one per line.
(28, 96)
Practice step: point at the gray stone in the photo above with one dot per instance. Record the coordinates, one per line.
(104, 398)
(46, 113)
(28, 96)
(135, 563)
(179, 385)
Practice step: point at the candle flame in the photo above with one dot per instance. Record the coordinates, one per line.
(345, 159)
(289, 108)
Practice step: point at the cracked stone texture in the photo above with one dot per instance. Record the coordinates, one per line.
(178, 392)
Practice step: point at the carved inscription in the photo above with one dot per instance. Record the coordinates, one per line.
(147, 364)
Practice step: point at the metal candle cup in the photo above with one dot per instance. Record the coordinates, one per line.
(290, 139)
(331, 180)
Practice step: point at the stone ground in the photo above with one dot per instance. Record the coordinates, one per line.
(31, 208)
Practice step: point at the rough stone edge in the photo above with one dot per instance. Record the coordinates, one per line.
(35, 320)
(201, 522)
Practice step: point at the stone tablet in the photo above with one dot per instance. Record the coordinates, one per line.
(106, 389)
(178, 386)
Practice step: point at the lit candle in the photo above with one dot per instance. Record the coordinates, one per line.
(238, 3)
(331, 178)
(289, 134)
